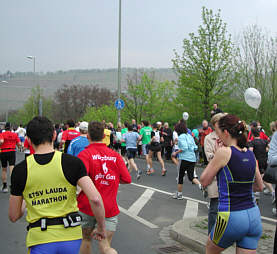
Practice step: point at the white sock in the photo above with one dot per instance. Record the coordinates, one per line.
(148, 166)
(180, 193)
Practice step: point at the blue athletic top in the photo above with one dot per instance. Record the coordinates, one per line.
(235, 182)
(77, 145)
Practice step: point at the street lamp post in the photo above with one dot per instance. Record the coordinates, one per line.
(40, 100)
(119, 61)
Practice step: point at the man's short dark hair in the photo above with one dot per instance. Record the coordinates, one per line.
(7, 126)
(145, 123)
(126, 124)
(70, 123)
(130, 127)
(96, 131)
(40, 130)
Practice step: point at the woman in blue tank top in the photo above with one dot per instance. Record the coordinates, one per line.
(238, 220)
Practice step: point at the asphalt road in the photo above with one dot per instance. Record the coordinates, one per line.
(147, 209)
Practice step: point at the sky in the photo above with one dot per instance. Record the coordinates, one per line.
(70, 34)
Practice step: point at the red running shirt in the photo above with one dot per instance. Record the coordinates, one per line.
(107, 169)
(70, 134)
(27, 145)
(10, 141)
(262, 136)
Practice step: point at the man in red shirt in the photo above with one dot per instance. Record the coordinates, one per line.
(68, 135)
(8, 142)
(250, 137)
(202, 134)
(28, 148)
(107, 169)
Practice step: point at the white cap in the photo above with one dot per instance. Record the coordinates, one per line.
(159, 123)
(83, 126)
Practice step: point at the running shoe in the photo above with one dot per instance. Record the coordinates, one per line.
(4, 189)
(274, 211)
(267, 191)
(178, 196)
(164, 172)
(273, 198)
(139, 173)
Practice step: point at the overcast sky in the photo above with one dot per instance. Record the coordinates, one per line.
(72, 34)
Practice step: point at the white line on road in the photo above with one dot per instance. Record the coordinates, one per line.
(268, 219)
(191, 209)
(191, 199)
(141, 202)
(139, 219)
(169, 193)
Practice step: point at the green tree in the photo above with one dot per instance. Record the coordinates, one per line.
(104, 112)
(31, 108)
(205, 66)
(147, 98)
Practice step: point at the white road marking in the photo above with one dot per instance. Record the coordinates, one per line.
(139, 219)
(191, 209)
(141, 202)
(268, 219)
(191, 199)
(169, 193)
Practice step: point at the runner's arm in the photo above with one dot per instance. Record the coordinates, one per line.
(258, 183)
(16, 208)
(96, 202)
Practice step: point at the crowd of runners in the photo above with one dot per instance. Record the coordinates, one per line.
(92, 159)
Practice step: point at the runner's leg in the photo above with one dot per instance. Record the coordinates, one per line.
(105, 245)
(86, 242)
(150, 159)
(212, 248)
(159, 155)
(4, 175)
(133, 164)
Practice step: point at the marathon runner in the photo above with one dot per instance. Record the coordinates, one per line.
(47, 181)
(68, 135)
(107, 169)
(8, 142)
(145, 134)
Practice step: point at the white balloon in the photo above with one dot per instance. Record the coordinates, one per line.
(253, 97)
(185, 116)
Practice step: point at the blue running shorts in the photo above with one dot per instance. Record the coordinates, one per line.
(241, 227)
(65, 247)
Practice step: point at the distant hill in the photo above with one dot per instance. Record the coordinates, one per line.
(14, 93)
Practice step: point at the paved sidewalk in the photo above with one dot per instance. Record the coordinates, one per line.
(192, 233)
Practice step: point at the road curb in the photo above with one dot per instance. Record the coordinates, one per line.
(183, 231)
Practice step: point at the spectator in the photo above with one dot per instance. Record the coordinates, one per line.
(211, 144)
(215, 110)
(167, 135)
(202, 134)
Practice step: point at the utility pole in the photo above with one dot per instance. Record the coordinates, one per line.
(119, 61)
